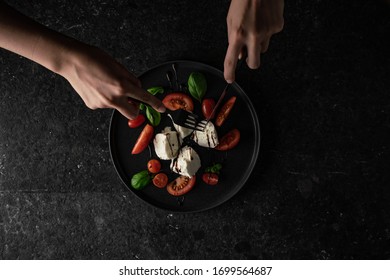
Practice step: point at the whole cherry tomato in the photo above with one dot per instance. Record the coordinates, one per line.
(154, 166)
(140, 119)
(210, 178)
(208, 105)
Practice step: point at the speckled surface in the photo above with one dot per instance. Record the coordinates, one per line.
(321, 187)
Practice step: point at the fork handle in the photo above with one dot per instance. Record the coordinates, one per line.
(218, 102)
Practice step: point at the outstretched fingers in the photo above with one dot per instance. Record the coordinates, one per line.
(232, 54)
(138, 94)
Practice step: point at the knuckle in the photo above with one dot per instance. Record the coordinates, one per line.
(110, 99)
(256, 38)
(91, 106)
(237, 34)
(123, 83)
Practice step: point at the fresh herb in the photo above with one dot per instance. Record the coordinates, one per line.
(216, 168)
(141, 179)
(197, 85)
(153, 116)
(155, 90)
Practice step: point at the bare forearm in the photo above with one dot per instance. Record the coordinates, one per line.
(99, 79)
(24, 36)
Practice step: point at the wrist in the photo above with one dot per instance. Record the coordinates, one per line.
(54, 51)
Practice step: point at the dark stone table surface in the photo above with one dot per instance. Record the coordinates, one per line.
(320, 188)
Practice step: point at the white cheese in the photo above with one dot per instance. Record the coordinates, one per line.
(187, 162)
(208, 137)
(183, 131)
(167, 144)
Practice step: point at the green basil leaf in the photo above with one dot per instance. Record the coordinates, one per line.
(155, 90)
(216, 168)
(197, 85)
(140, 180)
(142, 106)
(153, 116)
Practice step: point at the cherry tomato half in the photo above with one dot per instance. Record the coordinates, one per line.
(181, 185)
(225, 111)
(208, 105)
(154, 166)
(143, 139)
(160, 180)
(210, 178)
(140, 119)
(175, 101)
(229, 140)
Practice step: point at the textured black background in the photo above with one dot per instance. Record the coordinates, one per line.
(320, 189)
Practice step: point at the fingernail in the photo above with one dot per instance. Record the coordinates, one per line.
(229, 81)
(161, 109)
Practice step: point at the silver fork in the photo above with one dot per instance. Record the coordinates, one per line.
(202, 124)
(190, 120)
(185, 118)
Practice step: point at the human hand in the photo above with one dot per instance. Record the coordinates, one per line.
(250, 23)
(100, 80)
(104, 83)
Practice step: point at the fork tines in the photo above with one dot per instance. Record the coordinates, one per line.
(184, 118)
(191, 120)
(201, 125)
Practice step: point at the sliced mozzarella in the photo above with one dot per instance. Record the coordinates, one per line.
(183, 131)
(167, 144)
(208, 137)
(187, 162)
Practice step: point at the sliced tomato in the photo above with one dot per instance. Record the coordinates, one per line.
(175, 101)
(154, 166)
(181, 185)
(210, 178)
(140, 119)
(229, 140)
(143, 139)
(225, 111)
(160, 180)
(208, 105)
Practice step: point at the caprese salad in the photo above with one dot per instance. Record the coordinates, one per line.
(178, 144)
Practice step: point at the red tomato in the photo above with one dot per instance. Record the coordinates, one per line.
(137, 121)
(225, 111)
(175, 101)
(210, 178)
(181, 185)
(229, 140)
(154, 166)
(160, 180)
(208, 105)
(143, 139)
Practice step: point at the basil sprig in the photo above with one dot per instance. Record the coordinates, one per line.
(141, 180)
(153, 116)
(216, 168)
(197, 85)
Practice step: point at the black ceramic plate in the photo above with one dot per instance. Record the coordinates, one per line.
(237, 163)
